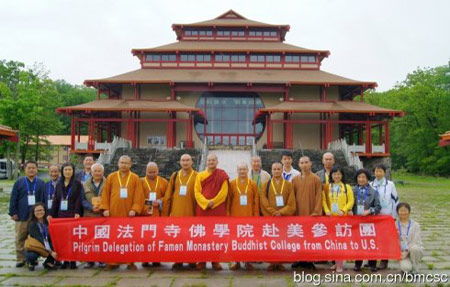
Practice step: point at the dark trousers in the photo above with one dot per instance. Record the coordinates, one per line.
(32, 258)
(372, 263)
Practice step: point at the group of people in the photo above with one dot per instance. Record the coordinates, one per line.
(286, 191)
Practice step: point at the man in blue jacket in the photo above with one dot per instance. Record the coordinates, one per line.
(26, 192)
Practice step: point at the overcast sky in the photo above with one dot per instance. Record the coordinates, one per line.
(369, 40)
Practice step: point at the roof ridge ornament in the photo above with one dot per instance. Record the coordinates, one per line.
(231, 14)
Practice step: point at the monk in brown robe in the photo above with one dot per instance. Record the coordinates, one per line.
(211, 190)
(122, 196)
(308, 193)
(243, 200)
(154, 188)
(308, 190)
(277, 199)
(179, 199)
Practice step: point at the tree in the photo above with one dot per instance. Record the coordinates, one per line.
(424, 96)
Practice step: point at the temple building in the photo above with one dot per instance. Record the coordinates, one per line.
(231, 81)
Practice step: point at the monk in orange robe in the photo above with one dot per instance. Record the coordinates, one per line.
(211, 190)
(277, 199)
(122, 196)
(243, 200)
(154, 188)
(179, 199)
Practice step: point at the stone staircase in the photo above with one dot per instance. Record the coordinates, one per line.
(229, 159)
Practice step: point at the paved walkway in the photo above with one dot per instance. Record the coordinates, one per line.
(430, 203)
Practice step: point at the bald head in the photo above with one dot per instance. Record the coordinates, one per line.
(242, 170)
(124, 163)
(277, 170)
(211, 161)
(186, 162)
(152, 170)
(304, 163)
(152, 164)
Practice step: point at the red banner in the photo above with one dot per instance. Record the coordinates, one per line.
(223, 239)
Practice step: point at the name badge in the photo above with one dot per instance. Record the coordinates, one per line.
(64, 205)
(279, 200)
(243, 199)
(49, 203)
(183, 190)
(334, 208)
(123, 192)
(404, 245)
(31, 199)
(360, 209)
(152, 196)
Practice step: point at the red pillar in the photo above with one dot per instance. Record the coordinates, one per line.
(368, 137)
(269, 132)
(131, 130)
(328, 131)
(137, 125)
(288, 132)
(170, 132)
(360, 134)
(72, 134)
(174, 129)
(386, 137)
(79, 130)
(91, 134)
(189, 141)
(109, 133)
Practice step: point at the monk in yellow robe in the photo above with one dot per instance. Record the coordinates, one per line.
(122, 196)
(243, 200)
(277, 199)
(179, 199)
(211, 190)
(154, 187)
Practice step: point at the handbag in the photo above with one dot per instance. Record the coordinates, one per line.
(34, 245)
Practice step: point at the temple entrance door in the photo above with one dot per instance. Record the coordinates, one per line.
(230, 118)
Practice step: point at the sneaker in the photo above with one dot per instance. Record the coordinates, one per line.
(383, 265)
(249, 266)
(89, 265)
(201, 266)
(132, 267)
(235, 266)
(110, 267)
(216, 266)
(49, 266)
(177, 266)
(20, 264)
